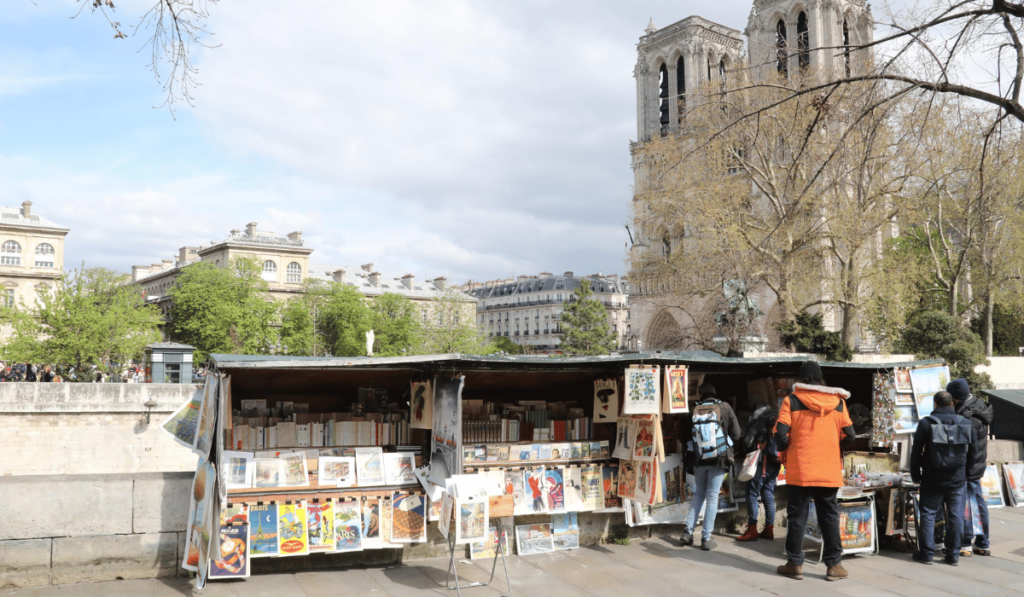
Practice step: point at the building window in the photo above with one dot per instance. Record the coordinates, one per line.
(269, 271)
(663, 98)
(846, 46)
(45, 255)
(803, 41)
(681, 86)
(10, 253)
(781, 51)
(294, 273)
(9, 297)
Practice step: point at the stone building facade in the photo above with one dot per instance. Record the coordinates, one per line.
(31, 254)
(528, 310)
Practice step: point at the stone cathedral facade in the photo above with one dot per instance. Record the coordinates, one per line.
(674, 64)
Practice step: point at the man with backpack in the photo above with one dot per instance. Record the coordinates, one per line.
(715, 430)
(980, 415)
(812, 421)
(943, 445)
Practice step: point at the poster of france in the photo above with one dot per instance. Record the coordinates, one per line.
(606, 400)
(446, 436)
(643, 391)
(675, 399)
(232, 561)
(421, 405)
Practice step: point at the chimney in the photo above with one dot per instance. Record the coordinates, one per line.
(138, 271)
(568, 274)
(167, 264)
(441, 283)
(375, 279)
(295, 237)
(338, 276)
(250, 229)
(522, 277)
(26, 209)
(408, 280)
(367, 267)
(544, 274)
(235, 232)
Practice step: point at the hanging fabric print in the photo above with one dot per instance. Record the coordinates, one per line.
(606, 400)
(263, 530)
(676, 386)
(643, 391)
(348, 531)
(291, 526)
(421, 405)
(320, 517)
(623, 438)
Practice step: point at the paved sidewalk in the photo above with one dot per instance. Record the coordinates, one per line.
(657, 566)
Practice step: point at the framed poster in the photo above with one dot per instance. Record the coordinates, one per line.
(470, 520)
(905, 419)
(348, 526)
(408, 518)
(902, 376)
(337, 470)
(398, 468)
(927, 381)
(992, 486)
(643, 391)
(534, 538)
(676, 387)
(1014, 473)
(421, 405)
(369, 466)
(606, 400)
(238, 469)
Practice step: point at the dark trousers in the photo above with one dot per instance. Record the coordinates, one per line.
(761, 487)
(974, 488)
(828, 521)
(932, 501)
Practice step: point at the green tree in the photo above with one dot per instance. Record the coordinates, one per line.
(396, 325)
(507, 346)
(939, 335)
(449, 327)
(805, 333)
(297, 329)
(346, 319)
(91, 319)
(223, 309)
(1008, 330)
(585, 328)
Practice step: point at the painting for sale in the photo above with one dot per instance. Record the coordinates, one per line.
(534, 538)
(927, 381)
(471, 520)
(369, 466)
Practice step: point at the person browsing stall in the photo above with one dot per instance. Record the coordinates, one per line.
(980, 414)
(762, 485)
(812, 421)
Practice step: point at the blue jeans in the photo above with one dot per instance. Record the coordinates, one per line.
(974, 488)
(763, 487)
(708, 480)
(932, 501)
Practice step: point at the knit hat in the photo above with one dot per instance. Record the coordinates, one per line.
(706, 389)
(810, 370)
(959, 389)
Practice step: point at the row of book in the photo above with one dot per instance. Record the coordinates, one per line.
(534, 452)
(287, 434)
(514, 430)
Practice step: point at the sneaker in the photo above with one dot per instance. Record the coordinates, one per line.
(686, 538)
(791, 570)
(965, 552)
(952, 559)
(708, 544)
(921, 557)
(836, 572)
(981, 551)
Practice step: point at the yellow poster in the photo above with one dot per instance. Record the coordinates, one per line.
(292, 528)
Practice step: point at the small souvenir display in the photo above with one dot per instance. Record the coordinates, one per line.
(883, 411)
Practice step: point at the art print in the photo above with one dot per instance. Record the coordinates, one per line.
(231, 554)
(905, 420)
(369, 466)
(433, 510)
(387, 523)
(371, 538)
(1014, 473)
(398, 468)
(554, 488)
(627, 479)
(347, 526)
(207, 418)
(645, 482)
(470, 520)
(643, 438)
(593, 498)
(573, 487)
(535, 492)
(897, 512)
(421, 406)
(447, 512)
(408, 518)
(610, 486)
(857, 527)
(516, 487)
(337, 471)
(676, 387)
(263, 530)
(902, 378)
(534, 538)
(320, 519)
(623, 438)
(183, 424)
(606, 400)
(565, 531)
(269, 472)
(498, 532)
(446, 433)
(292, 529)
(202, 522)
(237, 469)
(295, 472)
(927, 381)
(992, 487)
(643, 391)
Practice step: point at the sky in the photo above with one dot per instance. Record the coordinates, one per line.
(472, 140)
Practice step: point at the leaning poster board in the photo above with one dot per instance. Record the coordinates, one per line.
(992, 486)
(857, 525)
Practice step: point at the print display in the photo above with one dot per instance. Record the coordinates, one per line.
(927, 381)
(372, 507)
(446, 434)
(320, 520)
(339, 471)
(676, 387)
(534, 538)
(231, 554)
(292, 529)
(573, 487)
(992, 487)
(207, 417)
(421, 406)
(398, 468)
(408, 518)
(447, 511)
(643, 391)
(348, 531)
(516, 487)
(263, 530)
(369, 466)
(470, 520)
(237, 470)
(1014, 473)
(623, 438)
(497, 531)
(606, 400)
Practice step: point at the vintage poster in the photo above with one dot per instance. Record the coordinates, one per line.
(554, 490)
(565, 531)
(348, 525)
(883, 411)
(386, 525)
(471, 520)
(339, 471)
(421, 405)
(292, 529)
(627, 479)
(202, 522)
(447, 510)
(295, 472)
(369, 467)
(269, 472)
(232, 559)
(643, 438)
(408, 518)
(1014, 473)
(263, 530)
(498, 530)
(446, 434)
(992, 486)
(646, 484)
(433, 510)
(902, 375)
(183, 424)
(573, 486)
(610, 486)
(623, 438)
(905, 420)
(927, 381)
(516, 487)
(398, 468)
(593, 498)
(643, 391)
(371, 523)
(534, 538)
(238, 469)
(320, 519)
(535, 492)
(676, 387)
(205, 431)
(606, 400)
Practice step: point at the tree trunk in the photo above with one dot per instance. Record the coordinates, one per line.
(990, 304)
(849, 306)
(954, 288)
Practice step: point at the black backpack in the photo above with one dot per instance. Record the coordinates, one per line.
(948, 450)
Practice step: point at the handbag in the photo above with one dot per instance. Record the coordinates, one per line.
(750, 465)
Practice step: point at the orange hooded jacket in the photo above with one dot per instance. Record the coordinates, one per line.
(808, 432)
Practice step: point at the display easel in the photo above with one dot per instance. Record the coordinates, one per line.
(453, 573)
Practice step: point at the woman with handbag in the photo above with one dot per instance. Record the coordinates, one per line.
(763, 467)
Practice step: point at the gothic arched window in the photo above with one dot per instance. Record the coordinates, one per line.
(663, 97)
(666, 246)
(681, 85)
(803, 41)
(781, 52)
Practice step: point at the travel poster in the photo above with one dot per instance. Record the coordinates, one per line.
(623, 438)
(565, 531)
(609, 486)
(606, 400)
(348, 525)
(676, 386)
(408, 518)
(534, 538)
(627, 479)
(643, 390)
(992, 486)
(927, 381)
(183, 424)
(371, 523)
(263, 530)
(320, 518)
(421, 405)
(446, 434)
(573, 488)
(645, 482)
(292, 529)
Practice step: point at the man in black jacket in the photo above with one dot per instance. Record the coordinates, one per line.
(980, 415)
(943, 445)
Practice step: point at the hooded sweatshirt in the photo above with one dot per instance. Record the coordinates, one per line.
(812, 421)
(980, 414)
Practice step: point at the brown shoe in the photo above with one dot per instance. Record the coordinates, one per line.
(768, 532)
(836, 572)
(791, 570)
(750, 535)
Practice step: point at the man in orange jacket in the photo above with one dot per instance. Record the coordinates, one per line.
(812, 421)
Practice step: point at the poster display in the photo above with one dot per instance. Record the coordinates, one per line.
(565, 531)
(470, 519)
(369, 466)
(674, 504)
(231, 553)
(201, 520)
(421, 405)
(292, 529)
(627, 479)
(927, 381)
(398, 468)
(623, 438)
(992, 486)
(516, 487)
(348, 531)
(447, 511)
(676, 388)
(446, 433)
(606, 400)
(643, 391)
(263, 530)
(238, 470)
(205, 431)
(408, 518)
(534, 538)
(1014, 473)
(339, 471)
(573, 486)
(593, 498)
(646, 483)
(320, 519)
